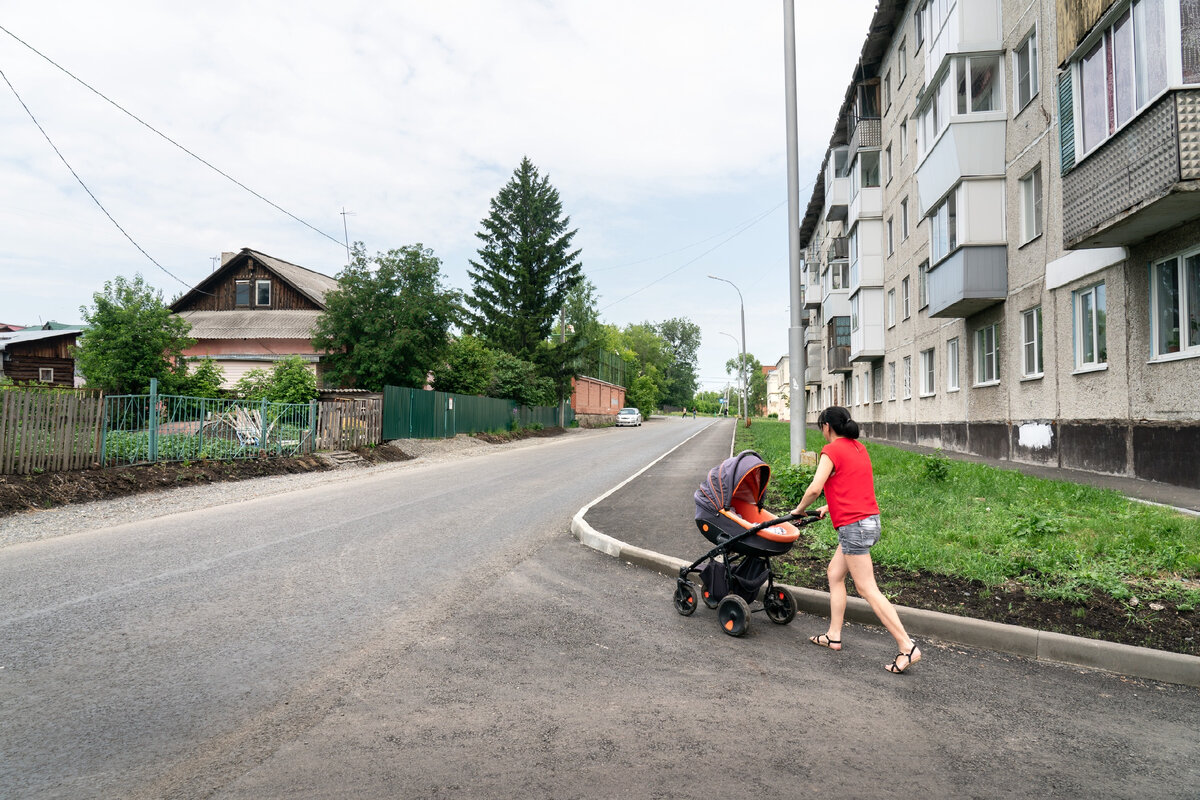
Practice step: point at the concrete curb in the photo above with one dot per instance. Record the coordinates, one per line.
(1141, 662)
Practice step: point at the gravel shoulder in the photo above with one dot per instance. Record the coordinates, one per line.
(141, 495)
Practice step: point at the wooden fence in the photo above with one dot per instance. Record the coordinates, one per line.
(346, 424)
(49, 431)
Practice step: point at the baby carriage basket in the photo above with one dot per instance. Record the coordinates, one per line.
(729, 513)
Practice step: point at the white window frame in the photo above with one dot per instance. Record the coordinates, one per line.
(1185, 343)
(928, 382)
(877, 383)
(237, 287)
(1032, 364)
(964, 72)
(908, 377)
(1029, 44)
(903, 140)
(891, 308)
(943, 230)
(891, 238)
(46, 374)
(904, 219)
(887, 91)
(259, 285)
(952, 384)
(906, 297)
(902, 61)
(887, 161)
(854, 312)
(923, 284)
(1030, 192)
(987, 355)
(891, 380)
(1090, 328)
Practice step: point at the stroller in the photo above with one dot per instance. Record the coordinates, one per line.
(729, 513)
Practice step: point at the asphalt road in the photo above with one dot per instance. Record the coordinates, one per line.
(436, 632)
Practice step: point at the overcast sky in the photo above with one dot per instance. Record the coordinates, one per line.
(660, 123)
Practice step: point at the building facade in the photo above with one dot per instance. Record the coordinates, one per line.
(1002, 249)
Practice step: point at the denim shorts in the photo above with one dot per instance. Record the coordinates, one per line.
(857, 537)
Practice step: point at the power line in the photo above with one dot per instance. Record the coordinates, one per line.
(84, 185)
(164, 136)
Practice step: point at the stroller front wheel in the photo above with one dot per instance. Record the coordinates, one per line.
(734, 615)
(780, 605)
(686, 597)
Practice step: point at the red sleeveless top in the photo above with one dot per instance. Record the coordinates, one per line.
(850, 490)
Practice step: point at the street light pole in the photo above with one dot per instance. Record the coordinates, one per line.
(739, 374)
(742, 366)
(797, 339)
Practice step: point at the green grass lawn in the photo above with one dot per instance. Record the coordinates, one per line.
(1057, 540)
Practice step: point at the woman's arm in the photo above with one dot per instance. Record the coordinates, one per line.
(824, 470)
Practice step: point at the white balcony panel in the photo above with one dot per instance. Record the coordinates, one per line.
(981, 218)
(836, 304)
(967, 149)
(837, 197)
(972, 26)
(866, 343)
(868, 203)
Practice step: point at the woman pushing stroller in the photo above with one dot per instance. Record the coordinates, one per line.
(844, 474)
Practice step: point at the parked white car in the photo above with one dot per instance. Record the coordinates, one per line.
(628, 416)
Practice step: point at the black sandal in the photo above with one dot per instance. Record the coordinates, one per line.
(895, 667)
(827, 643)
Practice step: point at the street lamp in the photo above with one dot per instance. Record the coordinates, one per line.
(742, 369)
(735, 344)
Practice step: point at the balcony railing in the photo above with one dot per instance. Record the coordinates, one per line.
(865, 133)
(837, 359)
(839, 249)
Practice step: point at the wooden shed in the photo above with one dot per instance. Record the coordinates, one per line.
(33, 355)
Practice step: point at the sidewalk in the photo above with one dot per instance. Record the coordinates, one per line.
(649, 521)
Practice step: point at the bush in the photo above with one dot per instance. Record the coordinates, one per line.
(937, 466)
(791, 482)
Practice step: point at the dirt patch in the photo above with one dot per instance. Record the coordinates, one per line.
(512, 436)
(1158, 625)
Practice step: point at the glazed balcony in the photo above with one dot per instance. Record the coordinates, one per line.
(970, 279)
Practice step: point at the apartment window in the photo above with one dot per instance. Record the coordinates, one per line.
(907, 377)
(1175, 306)
(919, 24)
(923, 284)
(987, 358)
(854, 312)
(903, 140)
(46, 374)
(952, 365)
(943, 236)
(877, 383)
(869, 165)
(978, 84)
(891, 239)
(905, 298)
(891, 380)
(1031, 343)
(853, 257)
(1031, 204)
(840, 275)
(1091, 346)
(241, 293)
(262, 293)
(1025, 70)
(888, 162)
(904, 219)
(927, 377)
(887, 91)
(902, 59)
(935, 115)
(1123, 72)
(891, 307)
(857, 391)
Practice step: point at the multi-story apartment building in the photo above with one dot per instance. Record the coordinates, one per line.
(1002, 249)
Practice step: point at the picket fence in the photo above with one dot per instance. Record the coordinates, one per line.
(49, 430)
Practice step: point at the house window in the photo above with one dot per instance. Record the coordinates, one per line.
(262, 293)
(1025, 70)
(891, 307)
(46, 374)
(907, 377)
(935, 115)
(891, 380)
(1031, 343)
(891, 239)
(1123, 72)
(877, 383)
(854, 312)
(978, 84)
(1175, 306)
(952, 365)
(1091, 346)
(903, 141)
(987, 358)
(904, 219)
(923, 284)
(840, 278)
(242, 298)
(927, 382)
(905, 298)
(943, 236)
(902, 61)
(1031, 204)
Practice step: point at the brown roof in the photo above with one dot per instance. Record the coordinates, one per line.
(245, 324)
(313, 285)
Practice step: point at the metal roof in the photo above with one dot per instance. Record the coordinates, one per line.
(251, 324)
(27, 335)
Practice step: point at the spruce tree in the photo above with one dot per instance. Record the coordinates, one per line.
(526, 266)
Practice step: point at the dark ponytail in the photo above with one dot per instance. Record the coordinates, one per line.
(838, 418)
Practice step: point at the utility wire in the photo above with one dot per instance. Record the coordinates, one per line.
(84, 185)
(138, 119)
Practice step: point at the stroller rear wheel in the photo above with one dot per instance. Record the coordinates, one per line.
(780, 605)
(734, 615)
(686, 597)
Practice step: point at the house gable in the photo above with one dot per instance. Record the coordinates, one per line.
(253, 281)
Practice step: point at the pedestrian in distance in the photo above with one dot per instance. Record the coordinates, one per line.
(845, 476)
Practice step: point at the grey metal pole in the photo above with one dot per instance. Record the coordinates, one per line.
(742, 371)
(797, 346)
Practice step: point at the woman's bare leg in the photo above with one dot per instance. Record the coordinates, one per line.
(862, 570)
(837, 597)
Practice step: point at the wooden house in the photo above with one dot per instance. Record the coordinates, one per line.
(33, 355)
(252, 311)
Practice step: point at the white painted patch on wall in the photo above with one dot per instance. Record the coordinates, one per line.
(1035, 435)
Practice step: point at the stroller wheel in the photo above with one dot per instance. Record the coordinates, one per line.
(780, 605)
(686, 598)
(734, 615)
(710, 599)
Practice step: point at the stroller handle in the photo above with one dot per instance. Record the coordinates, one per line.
(807, 518)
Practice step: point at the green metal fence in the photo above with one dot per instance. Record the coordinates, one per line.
(418, 414)
(153, 427)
